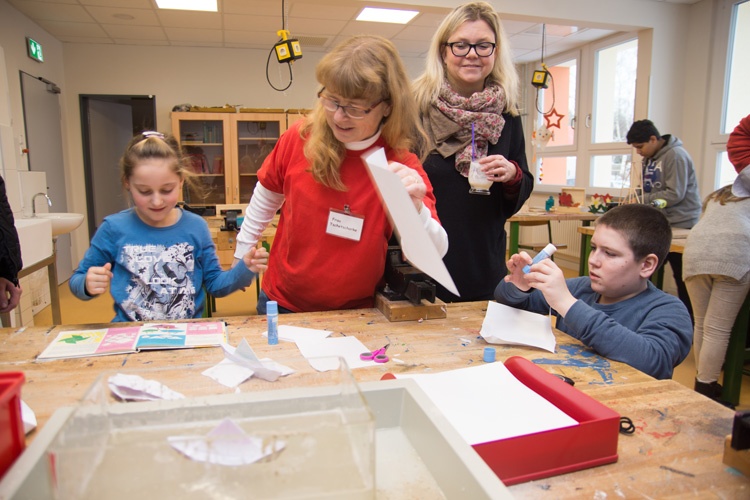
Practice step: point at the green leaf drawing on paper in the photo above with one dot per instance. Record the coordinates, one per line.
(74, 339)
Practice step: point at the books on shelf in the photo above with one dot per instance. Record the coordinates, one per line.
(129, 339)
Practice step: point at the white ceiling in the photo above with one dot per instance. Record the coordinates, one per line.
(318, 24)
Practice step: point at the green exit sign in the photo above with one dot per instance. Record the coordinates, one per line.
(35, 49)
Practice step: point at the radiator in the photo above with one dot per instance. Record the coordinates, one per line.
(563, 232)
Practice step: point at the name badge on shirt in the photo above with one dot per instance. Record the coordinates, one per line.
(344, 224)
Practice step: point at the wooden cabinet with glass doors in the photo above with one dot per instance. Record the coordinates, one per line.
(226, 150)
(254, 135)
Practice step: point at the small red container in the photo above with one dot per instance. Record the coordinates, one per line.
(12, 436)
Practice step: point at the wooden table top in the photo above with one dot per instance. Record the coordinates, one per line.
(677, 446)
(553, 216)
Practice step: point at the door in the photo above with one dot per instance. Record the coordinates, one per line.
(108, 122)
(111, 124)
(42, 117)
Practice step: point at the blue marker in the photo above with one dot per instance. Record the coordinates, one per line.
(544, 254)
(272, 316)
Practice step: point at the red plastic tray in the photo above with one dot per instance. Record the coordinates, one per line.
(592, 442)
(543, 454)
(12, 436)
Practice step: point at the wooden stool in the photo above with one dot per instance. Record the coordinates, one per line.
(737, 355)
(537, 247)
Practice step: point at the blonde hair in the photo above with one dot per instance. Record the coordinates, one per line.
(427, 86)
(362, 67)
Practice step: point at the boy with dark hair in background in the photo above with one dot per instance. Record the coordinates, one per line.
(616, 310)
(669, 175)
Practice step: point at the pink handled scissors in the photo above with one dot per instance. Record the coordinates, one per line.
(377, 355)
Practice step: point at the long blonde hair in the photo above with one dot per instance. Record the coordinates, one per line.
(362, 67)
(427, 86)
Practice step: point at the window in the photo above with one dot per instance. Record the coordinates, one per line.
(589, 107)
(729, 84)
(738, 70)
(557, 170)
(556, 116)
(614, 92)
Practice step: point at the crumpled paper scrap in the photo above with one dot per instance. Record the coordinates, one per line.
(241, 363)
(136, 388)
(226, 444)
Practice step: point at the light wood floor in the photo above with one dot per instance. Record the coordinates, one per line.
(99, 310)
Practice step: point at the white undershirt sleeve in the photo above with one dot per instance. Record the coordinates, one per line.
(260, 211)
(437, 233)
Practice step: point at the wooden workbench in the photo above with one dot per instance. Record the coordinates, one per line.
(675, 451)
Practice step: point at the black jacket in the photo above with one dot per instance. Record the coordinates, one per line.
(10, 248)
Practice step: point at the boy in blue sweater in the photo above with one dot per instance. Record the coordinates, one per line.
(616, 310)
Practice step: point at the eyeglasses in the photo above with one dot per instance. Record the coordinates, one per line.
(462, 49)
(151, 133)
(350, 111)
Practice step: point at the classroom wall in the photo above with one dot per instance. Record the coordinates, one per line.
(14, 28)
(213, 76)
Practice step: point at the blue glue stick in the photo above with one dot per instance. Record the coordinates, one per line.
(544, 254)
(272, 316)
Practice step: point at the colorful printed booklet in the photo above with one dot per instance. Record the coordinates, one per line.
(127, 339)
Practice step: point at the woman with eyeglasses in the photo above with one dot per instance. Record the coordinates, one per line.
(331, 241)
(156, 259)
(468, 99)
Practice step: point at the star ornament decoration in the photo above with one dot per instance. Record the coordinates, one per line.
(550, 121)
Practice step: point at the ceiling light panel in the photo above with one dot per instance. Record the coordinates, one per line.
(202, 5)
(386, 15)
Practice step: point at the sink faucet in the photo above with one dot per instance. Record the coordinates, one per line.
(33, 202)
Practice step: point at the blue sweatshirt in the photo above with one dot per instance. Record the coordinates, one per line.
(651, 331)
(158, 272)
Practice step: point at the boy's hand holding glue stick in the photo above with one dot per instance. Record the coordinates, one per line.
(546, 276)
(546, 253)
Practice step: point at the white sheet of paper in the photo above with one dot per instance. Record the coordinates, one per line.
(28, 417)
(415, 242)
(295, 333)
(507, 325)
(486, 402)
(322, 354)
(137, 388)
(226, 444)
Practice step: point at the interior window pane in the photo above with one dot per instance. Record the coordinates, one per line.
(614, 100)
(738, 71)
(726, 172)
(557, 103)
(611, 171)
(556, 170)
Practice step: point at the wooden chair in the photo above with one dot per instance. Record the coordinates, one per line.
(738, 354)
(538, 246)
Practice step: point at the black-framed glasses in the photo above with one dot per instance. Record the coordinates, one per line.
(351, 111)
(152, 133)
(462, 49)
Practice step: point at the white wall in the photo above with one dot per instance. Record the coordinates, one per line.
(207, 76)
(14, 28)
